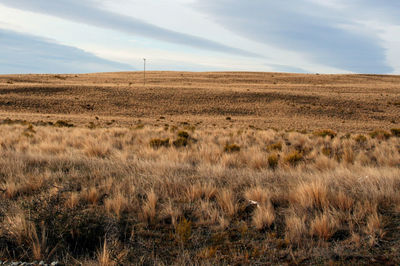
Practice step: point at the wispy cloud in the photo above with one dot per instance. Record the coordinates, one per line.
(87, 11)
(325, 34)
(22, 53)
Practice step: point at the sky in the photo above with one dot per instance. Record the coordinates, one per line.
(302, 36)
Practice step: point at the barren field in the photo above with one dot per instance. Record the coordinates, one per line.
(200, 168)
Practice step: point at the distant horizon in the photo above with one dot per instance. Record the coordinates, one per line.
(193, 71)
(302, 36)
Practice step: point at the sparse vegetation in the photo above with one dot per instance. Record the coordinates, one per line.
(175, 193)
(126, 191)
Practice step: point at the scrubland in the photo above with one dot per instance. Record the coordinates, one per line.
(200, 168)
(168, 195)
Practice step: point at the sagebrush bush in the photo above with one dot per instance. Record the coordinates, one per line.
(231, 148)
(360, 139)
(273, 161)
(275, 147)
(62, 123)
(325, 132)
(180, 142)
(183, 134)
(294, 157)
(380, 134)
(395, 132)
(158, 143)
(327, 151)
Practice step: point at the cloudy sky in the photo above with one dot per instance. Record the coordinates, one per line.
(79, 36)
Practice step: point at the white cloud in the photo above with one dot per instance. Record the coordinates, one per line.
(325, 36)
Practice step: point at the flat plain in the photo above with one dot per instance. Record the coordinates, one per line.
(349, 103)
(200, 168)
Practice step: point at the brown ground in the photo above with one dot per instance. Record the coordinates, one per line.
(350, 103)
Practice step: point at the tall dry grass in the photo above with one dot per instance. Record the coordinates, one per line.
(66, 190)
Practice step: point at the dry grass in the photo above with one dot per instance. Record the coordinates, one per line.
(219, 191)
(324, 226)
(263, 217)
(133, 192)
(346, 103)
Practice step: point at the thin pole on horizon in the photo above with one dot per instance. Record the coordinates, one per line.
(144, 71)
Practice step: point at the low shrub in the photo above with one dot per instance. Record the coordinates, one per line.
(294, 157)
(380, 134)
(360, 139)
(325, 132)
(183, 134)
(180, 142)
(9, 121)
(29, 131)
(327, 151)
(395, 132)
(273, 161)
(158, 143)
(231, 148)
(275, 147)
(62, 123)
(183, 231)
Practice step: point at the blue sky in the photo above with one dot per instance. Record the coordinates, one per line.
(80, 36)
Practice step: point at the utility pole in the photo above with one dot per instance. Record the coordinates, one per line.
(144, 71)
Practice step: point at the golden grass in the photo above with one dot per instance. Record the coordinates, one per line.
(324, 226)
(61, 192)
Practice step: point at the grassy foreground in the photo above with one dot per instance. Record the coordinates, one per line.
(167, 195)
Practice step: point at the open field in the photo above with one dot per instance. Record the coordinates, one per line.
(351, 103)
(204, 168)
